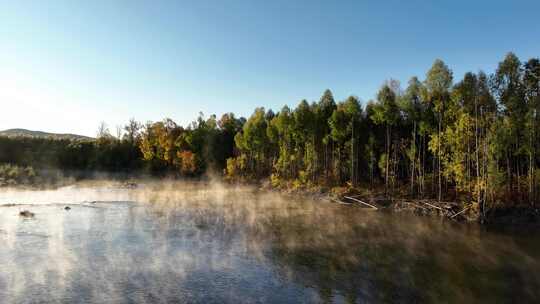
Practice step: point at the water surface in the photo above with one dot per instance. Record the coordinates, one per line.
(203, 243)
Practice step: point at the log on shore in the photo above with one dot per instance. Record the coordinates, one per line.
(361, 202)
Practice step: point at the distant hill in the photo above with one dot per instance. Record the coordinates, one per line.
(41, 134)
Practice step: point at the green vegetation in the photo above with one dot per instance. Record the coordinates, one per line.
(475, 141)
(15, 175)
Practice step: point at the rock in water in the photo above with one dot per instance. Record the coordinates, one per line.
(67, 208)
(26, 213)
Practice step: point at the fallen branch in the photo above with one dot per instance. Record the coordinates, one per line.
(465, 209)
(426, 203)
(423, 201)
(339, 202)
(416, 205)
(361, 202)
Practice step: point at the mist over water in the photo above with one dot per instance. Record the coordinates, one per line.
(164, 242)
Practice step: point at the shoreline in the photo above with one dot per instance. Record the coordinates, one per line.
(451, 211)
(359, 197)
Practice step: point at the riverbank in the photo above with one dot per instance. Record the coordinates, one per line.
(456, 211)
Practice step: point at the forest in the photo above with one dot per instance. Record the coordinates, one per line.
(474, 139)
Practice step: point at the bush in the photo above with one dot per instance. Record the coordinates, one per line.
(14, 175)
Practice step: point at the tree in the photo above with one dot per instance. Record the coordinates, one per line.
(282, 130)
(132, 131)
(159, 144)
(304, 138)
(386, 112)
(438, 82)
(323, 111)
(228, 126)
(343, 122)
(412, 107)
(531, 83)
(103, 131)
(253, 141)
(508, 88)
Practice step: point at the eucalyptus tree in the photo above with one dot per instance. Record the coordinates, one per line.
(323, 110)
(304, 138)
(282, 126)
(438, 82)
(386, 112)
(228, 126)
(253, 140)
(344, 121)
(487, 161)
(531, 83)
(508, 88)
(412, 107)
(457, 137)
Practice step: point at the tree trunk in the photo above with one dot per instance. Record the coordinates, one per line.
(439, 159)
(387, 158)
(353, 177)
(478, 185)
(413, 158)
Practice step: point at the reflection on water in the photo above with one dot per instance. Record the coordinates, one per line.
(213, 244)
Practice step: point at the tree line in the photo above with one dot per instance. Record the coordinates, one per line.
(474, 139)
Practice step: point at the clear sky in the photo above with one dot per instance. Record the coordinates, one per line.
(67, 65)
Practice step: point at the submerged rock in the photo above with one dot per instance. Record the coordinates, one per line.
(26, 213)
(129, 185)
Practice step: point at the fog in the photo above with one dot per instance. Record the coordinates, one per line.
(172, 241)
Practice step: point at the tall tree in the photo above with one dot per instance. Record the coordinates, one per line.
(412, 106)
(324, 110)
(531, 83)
(343, 122)
(438, 82)
(507, 84)
(386, 112)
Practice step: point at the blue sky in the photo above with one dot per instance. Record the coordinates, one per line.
(67, 65)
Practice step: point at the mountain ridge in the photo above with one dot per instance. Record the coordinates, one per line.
(20, 132)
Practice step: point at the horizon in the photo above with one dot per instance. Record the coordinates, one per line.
(68, 66)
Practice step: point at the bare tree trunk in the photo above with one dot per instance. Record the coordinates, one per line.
(422, 168)
(518, 171)
(387, 158)
(478, 194)
(353, 175)
(531, 159)
(433, 172)
(413, 158)
(509, 172)
(439, 159)
(468, 165)
(486, 177)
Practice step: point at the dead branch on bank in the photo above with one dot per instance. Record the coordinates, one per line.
(361, 202)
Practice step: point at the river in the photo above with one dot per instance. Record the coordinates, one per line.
(173, 242)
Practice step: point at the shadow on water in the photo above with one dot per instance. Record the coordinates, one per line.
(209, 243)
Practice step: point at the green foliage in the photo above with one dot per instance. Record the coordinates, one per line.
(11, 175)
(386, 111)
